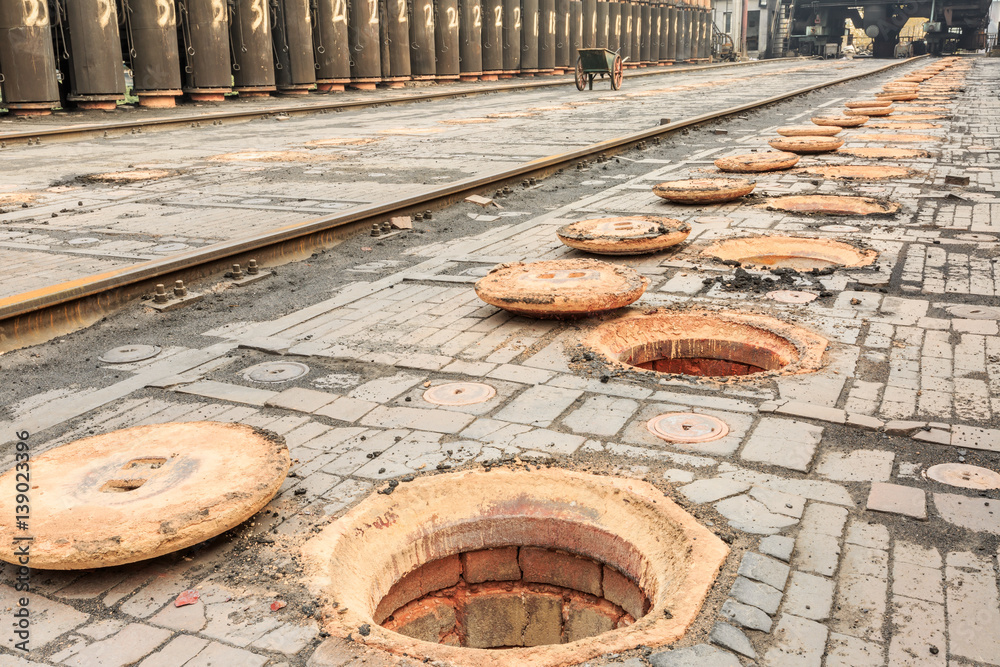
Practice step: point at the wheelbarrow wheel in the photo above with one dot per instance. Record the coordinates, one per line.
(581, 76)
(616, 74)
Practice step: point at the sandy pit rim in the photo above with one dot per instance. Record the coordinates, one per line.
(800, 350)
(621, 522)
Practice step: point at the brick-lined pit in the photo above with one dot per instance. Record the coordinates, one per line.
(511, 596)
(709, 344)
(555, 567)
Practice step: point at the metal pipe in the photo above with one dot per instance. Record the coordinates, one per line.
(294, 61)
(252, 54)
(422, 57)
(446, 39)
(331, 45)
(205, 34)
(470, 35)
(28, 82)
(363, 36)
(492, 39)
(96, 77)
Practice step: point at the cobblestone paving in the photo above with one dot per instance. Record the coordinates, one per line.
(843, 552)
(303, 167)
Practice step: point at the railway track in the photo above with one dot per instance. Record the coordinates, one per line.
(82, 131)
(42, 314)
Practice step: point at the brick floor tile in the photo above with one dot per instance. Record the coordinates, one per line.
(897, 499)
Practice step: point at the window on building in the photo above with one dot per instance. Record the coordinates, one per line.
(728, 22)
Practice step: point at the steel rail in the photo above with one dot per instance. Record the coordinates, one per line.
(39, 315)
(82, 131)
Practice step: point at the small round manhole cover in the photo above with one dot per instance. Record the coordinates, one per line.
(633, 235)
(127, 354)
(861, 104)
(460, 393)
(273, 372)
(561, 287)
(976, 237)
(791, 296)
(758, 162)
(900, 95)
(974, 312)
(83, 240)
(792, 252)
(840, 229)
(687, 427)
(840, 121)
(896, 124)
(142, 492)
(965, 476)
(869, 111)
(809, 130)
(713, 220)
(833, 205)
(806, 144)
(703, 190)
(168, 247)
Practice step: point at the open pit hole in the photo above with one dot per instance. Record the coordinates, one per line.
(121, 485)
(703, 357)
(707, 344)
(511, 597)
(789, 252)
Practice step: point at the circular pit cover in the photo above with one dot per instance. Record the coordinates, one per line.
(758, 162)
(687, 427)
(127, 354)
(142, 492)
(633, 235)
(809, 130)
(273, 372)
(841, 121)
(459, 393)
(806, 144)
(791, 296)
(561, 287)
(703, 190)
(965, 476)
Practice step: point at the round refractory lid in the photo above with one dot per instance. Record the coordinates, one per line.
(687, 427)
(273, 372)
(791, 296)
(809, 130)
(703, 190)
(861, 104)
(460, 393)
(142, 492)
(632, 235)
(965, 476)
(968, 312)
(561, 287)
(758, 162)
(840, 121)
(127, 354)
(806, 144)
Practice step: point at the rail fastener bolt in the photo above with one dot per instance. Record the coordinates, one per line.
(376, 230)
(237, 272)
(179, 290)
(252, 267)
(161, 294)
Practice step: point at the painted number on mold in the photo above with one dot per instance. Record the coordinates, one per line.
(452, 14)
(339, 11)
(104, 11)
(218, 11)
(498, 16)
(165, 13)
(36, 13)
(429, 16)
(517, 18)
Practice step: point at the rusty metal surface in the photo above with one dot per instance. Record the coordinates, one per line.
(205, 30)
(152, 36)
(250, 33)
(95, 64)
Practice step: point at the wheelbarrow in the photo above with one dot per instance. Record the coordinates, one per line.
(592, 62)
